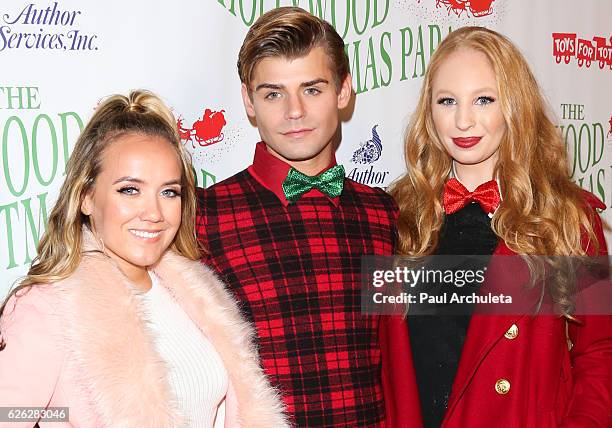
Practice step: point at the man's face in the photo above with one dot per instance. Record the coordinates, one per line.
(295, 104)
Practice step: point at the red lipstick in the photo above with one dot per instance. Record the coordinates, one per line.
(466, 142)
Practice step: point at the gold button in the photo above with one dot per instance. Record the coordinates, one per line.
(502, 386)
(512, 332)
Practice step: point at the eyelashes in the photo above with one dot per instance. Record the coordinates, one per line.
(171, 193)
(132, 190)
(446, 101)
(483, 100)
(311, 90)
(128, 190)
(272, 95)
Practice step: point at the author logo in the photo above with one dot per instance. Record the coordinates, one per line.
(45, 28)
(368, 153)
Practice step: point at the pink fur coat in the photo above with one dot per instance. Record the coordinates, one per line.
(83, 343)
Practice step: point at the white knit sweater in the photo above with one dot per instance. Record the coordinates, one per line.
(196, 372)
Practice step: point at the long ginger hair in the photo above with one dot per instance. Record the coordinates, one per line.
(543, 212)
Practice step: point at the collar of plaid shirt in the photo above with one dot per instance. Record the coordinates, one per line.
(270, 172)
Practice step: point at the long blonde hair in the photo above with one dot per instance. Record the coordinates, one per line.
(543, 211)
(141, 112)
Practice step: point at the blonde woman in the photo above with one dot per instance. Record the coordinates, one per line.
(487, 174)
(117, 319)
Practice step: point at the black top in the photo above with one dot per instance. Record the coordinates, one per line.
(437, 340)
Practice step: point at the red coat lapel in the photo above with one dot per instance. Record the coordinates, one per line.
(483, 333)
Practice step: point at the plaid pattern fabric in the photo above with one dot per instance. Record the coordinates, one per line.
(296, 271)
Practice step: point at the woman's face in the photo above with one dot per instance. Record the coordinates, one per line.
(135, 204)
(467, 113)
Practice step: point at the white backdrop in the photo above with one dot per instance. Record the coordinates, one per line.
(58, 58)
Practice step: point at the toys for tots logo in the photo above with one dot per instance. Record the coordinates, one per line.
(45, 27)
(567, 46)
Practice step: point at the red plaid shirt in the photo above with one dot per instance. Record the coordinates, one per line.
(296, 270)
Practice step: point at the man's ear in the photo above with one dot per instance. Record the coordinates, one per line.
(247, 101)
(346, 89)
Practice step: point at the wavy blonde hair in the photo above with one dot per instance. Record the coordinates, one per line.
(543, 211)
(141, 112)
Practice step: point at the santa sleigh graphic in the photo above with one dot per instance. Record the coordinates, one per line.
(478, 8)
(205, 131)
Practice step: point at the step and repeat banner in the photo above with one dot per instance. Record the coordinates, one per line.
(58, 58)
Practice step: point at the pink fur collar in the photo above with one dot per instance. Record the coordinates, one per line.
(113, 351)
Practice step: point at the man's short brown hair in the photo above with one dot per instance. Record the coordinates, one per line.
(291, 32)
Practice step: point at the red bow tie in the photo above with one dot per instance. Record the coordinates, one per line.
(456, 196)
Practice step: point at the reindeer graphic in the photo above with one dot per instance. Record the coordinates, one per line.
(184, 133)
(369, 151)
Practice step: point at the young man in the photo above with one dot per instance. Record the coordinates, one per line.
(287, 234)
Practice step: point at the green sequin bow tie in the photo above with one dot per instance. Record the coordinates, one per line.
(329, 182)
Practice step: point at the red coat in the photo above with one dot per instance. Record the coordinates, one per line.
(549, 386)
